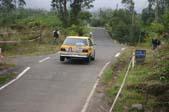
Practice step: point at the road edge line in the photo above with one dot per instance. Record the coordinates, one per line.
(85, 106)
(18, 77)
(117, 55)
(47, 58)
(122, 49)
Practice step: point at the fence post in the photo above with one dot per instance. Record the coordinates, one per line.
(133, 60)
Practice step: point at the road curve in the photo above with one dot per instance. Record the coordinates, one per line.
(51, 86)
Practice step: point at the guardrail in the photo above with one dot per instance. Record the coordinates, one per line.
(9, 42)
(17, 42)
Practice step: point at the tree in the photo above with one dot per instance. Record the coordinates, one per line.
(9, 5)
(21, 3)
(8, 9)
(61, 8)
(129, 4)
(73, 6)
(76, 8)
(155, 9)
(148, 15)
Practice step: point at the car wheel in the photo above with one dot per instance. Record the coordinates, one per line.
(88, 60)
(93, 58)
(62, 58)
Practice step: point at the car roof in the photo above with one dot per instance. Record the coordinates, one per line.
(80, 37)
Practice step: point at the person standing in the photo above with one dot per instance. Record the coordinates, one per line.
(1, 56)
(91, 34)
(155, 43)
(56, 34)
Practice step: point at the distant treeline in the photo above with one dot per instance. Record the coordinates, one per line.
(127, 26)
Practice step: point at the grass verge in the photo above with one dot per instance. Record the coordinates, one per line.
(6, 78)
(32, 48)
(147, 84)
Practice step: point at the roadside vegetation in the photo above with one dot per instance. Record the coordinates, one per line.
(6, 78)
(148, 83)
(31, 31)
(4, 75)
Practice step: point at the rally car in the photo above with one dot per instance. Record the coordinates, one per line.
(77, 47)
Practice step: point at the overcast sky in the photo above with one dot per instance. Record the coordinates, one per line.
(45, 4)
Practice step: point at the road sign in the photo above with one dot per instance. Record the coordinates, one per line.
(140, 56)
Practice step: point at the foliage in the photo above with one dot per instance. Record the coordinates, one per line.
(6, 77)
(9, 5)
(148, 15)
(77, 29)
(70, 16)
(119, 24)
(48, 20)
(129, 4)
(166, 21)
(146, 84)
(157, 27)
(155, 11)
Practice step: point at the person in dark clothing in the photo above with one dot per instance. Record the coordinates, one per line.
(155, 43)
(56, 36)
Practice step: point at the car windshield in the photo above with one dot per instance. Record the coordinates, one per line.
(76, 41)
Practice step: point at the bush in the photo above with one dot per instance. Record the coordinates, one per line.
(77, 29)
(41, 20)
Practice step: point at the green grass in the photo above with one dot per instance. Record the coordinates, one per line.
(139, 87)
(45, 46)
(107, 76)
(42, 20)
(6, 78)
(31, 49)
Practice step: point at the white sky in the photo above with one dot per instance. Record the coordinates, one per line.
(45, 4)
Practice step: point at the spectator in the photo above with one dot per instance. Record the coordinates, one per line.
(56, 34)
(155, 43)
(1, 56)
(91, 34)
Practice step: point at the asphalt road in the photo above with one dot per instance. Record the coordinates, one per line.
(51, 86)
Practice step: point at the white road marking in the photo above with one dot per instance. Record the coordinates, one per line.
(117, 55)
(44, 59)
(93, 89)
(123, 49)
(18, 77)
